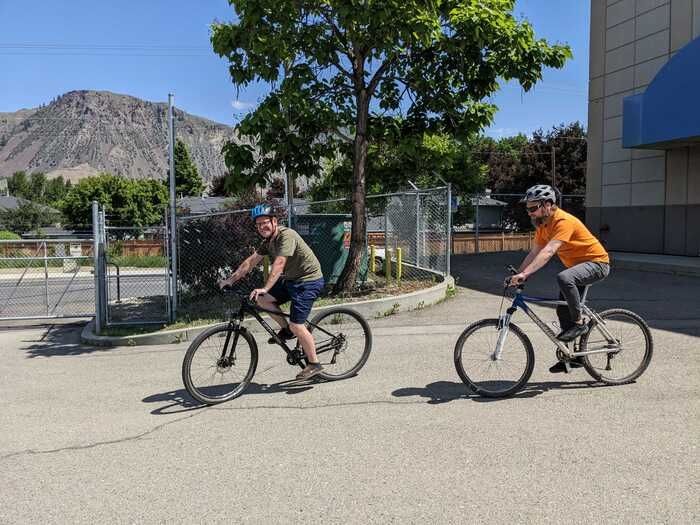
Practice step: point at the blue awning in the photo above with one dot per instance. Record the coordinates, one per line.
(667, 114)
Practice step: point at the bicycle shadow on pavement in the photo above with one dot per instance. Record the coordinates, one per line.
(446, 391)
(181, 401)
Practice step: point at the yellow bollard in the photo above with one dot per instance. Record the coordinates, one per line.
(372, 256)
(266, 267)
(387, 265)
(399, 266)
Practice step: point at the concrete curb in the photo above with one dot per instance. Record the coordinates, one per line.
(371, 309)
(687, 266)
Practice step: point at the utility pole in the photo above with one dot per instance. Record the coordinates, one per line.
(173, 222)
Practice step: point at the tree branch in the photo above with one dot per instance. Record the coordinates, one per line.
(378, 75)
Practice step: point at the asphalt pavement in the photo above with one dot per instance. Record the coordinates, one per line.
(110, 435)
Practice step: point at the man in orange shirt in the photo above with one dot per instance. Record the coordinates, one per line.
(585, 258)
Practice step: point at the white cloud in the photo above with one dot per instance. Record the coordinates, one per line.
(241, 105)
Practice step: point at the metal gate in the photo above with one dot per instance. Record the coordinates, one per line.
(46, 278)
(134, 274)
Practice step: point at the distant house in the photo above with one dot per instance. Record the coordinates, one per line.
(201, 205)
(13, 203)
(490, 214)
(10, 203)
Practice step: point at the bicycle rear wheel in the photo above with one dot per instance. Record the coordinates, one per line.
(481, 371)
(214, 369)
(630, 351)
(343, 342)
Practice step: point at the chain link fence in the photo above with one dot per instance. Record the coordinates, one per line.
(46, 278)
(209, 248)
(407, 235)
(493, 222)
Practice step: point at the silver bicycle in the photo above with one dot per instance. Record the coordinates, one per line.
(495, 358)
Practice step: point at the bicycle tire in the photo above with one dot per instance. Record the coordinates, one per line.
(341, 364)
(592, 363)
(206, 343)
(486, 388)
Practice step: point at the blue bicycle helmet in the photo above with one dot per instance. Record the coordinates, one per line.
(261, 210)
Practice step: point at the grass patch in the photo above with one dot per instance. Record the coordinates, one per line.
(135, 261)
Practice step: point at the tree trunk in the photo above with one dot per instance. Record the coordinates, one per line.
(346, 281)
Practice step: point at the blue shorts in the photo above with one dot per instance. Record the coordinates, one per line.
(301, 293)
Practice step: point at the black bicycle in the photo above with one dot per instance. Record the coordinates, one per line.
(221, 361)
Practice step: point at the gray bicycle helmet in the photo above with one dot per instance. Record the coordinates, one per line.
(540, 192)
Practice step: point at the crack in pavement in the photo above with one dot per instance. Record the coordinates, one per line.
(32, 452)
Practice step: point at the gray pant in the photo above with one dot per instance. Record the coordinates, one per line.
(571, 282)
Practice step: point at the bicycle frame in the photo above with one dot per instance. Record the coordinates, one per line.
(521, 301)
(294, 356)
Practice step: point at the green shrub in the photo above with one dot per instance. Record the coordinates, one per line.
(8, 236)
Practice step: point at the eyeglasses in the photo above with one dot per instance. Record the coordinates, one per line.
(533, 209)
(259, 224)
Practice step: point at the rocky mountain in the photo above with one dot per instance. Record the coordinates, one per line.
(85, 132)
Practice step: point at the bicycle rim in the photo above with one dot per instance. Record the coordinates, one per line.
(630, 353)
(343, 342)
(481, 371)
(207, 377)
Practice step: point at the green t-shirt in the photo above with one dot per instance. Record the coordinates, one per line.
(302, 264)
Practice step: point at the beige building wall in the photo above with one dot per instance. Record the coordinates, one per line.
(639, 200)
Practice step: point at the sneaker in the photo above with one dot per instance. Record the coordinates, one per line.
(285, 334)
(560, 366)
(573, 332)
(311, 370)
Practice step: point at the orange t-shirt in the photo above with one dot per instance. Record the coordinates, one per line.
(578, 244)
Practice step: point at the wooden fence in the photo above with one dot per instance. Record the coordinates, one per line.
(466, 242)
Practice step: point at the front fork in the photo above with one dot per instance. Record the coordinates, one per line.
(227, 360)
(503, 327)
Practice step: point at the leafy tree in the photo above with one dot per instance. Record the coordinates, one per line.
(427, 159)
(18, 185)
(516, 163)
(128, 202)
(55, 189)
(346, 72)
(37, 187)
(187, 179)
(29, 216)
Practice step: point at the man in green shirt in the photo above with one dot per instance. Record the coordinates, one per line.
(295, 275)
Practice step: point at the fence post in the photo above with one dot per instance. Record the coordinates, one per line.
(372, 255)
(96, 266)
(476, 231)
(173, 210)
(448, 244)
(46, 278)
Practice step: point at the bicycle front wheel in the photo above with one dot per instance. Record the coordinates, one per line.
(218, 366)
(623, 358)
(343, 342)
(487, 374)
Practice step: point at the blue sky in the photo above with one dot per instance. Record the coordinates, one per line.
(150, 48)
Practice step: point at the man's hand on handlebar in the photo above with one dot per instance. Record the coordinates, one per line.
(256, 293)
(515, 280)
